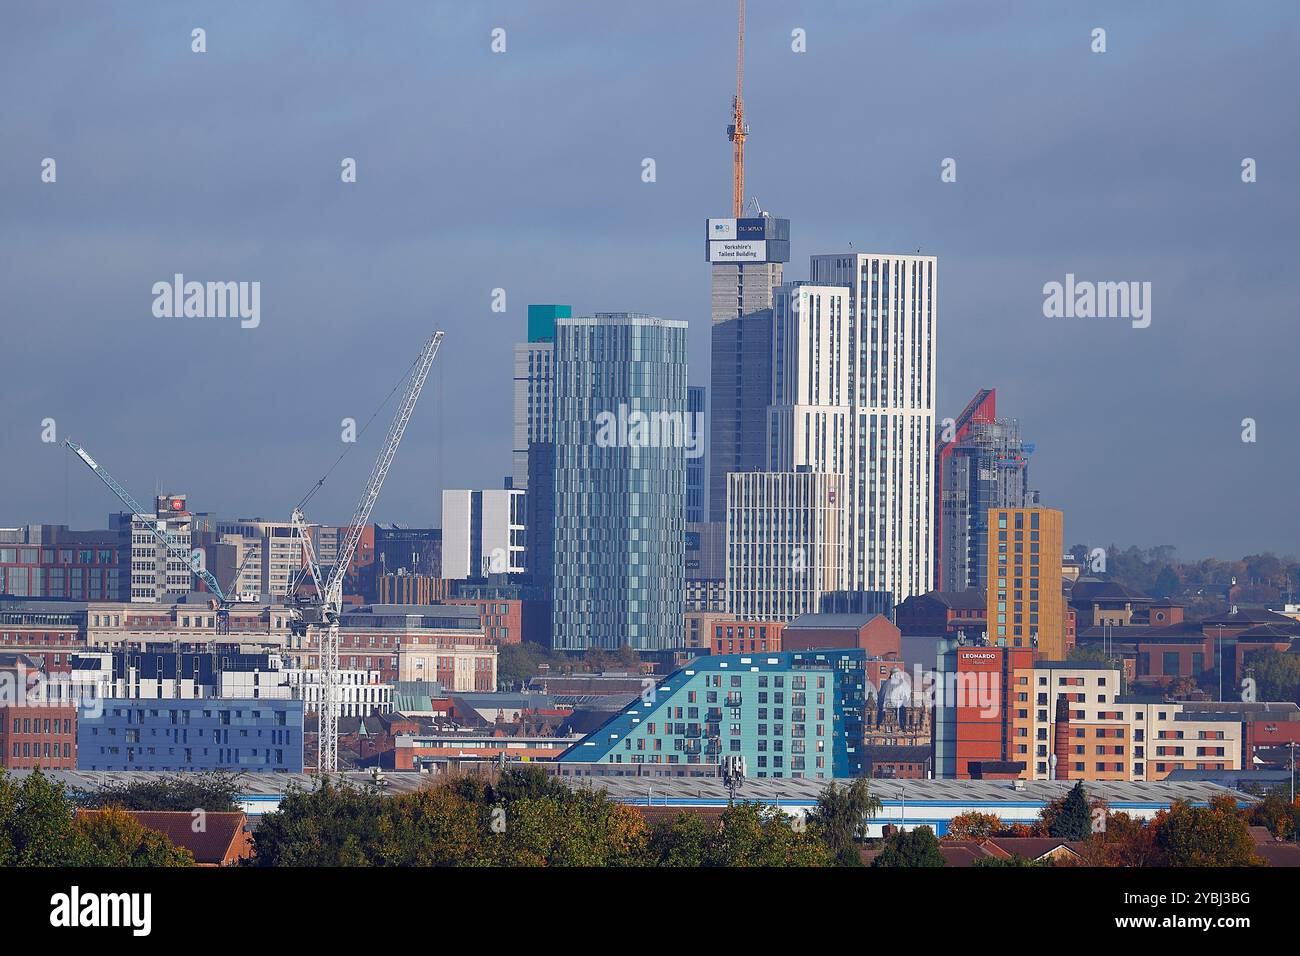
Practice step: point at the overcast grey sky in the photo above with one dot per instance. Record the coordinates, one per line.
(522, 171)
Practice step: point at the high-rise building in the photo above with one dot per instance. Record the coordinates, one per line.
(786, 524)
(1025, 606)
(155, 570)
(984, 465)
(785, 545)
(695, 479)
(747, 257)
(620, 481)
(533, 463)
(482, 533)
(891, 390)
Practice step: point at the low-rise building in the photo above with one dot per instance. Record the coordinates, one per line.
(252, 735)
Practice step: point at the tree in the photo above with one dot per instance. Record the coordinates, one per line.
(1126, 841)
(1203, 836)
(1167, 583)
(36, 824)
(116, 838)
(1277, 676)
(681, 841)
(215, 791)
(333, 825)
(628, 658)
(1278, 812)
(1071, 818)
(974, 826)
(917, 848)
(595, 659)
(530, 782)
(842, 814)
(432, 827)
(754, 834)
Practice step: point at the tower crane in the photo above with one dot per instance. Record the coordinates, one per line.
(193, 560)
(739, 129)
(324, 609)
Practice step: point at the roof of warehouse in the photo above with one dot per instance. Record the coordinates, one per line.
(912, 791)
(769, 790)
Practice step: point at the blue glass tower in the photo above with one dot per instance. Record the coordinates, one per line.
(620, 481)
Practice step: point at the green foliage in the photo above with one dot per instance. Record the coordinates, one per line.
(115, 838)
(1203, 836)
(1167, 583)
(39, 827)
(330, 826)
(685, 840)
(1278, 812)
(841, 815)
(215, 791)
(916, 848)
(1071, 818)
(1277, 676)
(36, 824)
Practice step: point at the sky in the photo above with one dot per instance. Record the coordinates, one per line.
(522, 171)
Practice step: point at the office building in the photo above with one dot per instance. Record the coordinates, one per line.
(533, 460)
(620, 481)
(985, 465)
(50, 561)
(483, 533)
(891, 388)
(155, 571)
(1025, 606)
(785, 545)
(746, 257)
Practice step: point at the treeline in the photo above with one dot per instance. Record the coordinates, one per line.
(528, 817)
(1159, 573)
(1184, 835)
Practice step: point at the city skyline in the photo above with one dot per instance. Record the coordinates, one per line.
(1076, 176)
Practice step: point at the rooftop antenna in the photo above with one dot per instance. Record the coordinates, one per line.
(738, 129)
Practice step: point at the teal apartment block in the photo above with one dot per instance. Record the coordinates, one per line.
(790, 715)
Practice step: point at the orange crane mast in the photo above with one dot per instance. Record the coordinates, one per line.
(738, 130)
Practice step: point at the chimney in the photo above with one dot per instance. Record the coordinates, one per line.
(1061, 738)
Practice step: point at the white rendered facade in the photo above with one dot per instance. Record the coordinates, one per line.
(785, 545)
(890, 346)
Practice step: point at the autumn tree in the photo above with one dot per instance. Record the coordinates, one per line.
(116, 838)
(974, 826)
(1203, 836)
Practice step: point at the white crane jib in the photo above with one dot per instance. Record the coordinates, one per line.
(328, 605)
